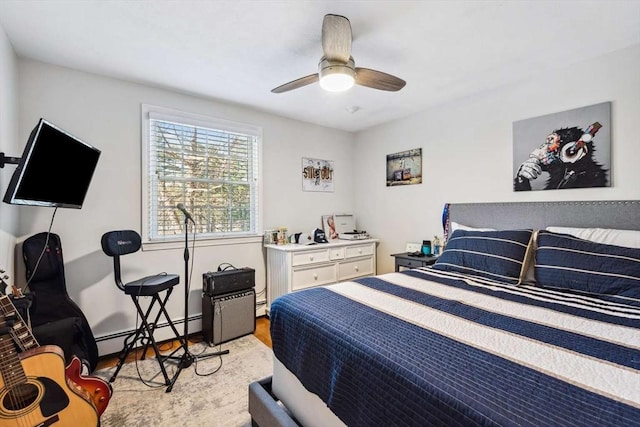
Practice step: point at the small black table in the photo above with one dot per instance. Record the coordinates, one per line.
(405, 260)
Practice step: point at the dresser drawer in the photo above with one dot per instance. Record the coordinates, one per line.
(313, 276)
(355, 268)
(310, 257)
(358, 250)
(336, 253)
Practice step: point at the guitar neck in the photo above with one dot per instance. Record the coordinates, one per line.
(19, 331)
(10, 368)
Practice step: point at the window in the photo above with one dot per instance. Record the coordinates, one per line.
(210, 166)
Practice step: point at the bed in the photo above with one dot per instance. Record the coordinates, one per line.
(515, 324)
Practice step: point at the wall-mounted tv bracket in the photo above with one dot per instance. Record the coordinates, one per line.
(10, 160)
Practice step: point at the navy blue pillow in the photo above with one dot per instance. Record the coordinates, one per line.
(567, 262)
(497, 255)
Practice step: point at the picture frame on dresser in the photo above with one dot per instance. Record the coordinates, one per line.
(329, 227)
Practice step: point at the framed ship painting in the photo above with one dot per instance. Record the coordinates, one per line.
(404, 168)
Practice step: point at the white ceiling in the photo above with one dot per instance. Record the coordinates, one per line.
(237, 51)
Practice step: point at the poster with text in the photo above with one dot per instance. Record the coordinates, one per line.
(317, 175)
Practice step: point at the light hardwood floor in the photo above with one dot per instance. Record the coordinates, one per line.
(261, 332)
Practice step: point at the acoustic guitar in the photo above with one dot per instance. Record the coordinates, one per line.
(34, 389)
(98, 389)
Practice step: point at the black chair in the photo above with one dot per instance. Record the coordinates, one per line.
(123, 242)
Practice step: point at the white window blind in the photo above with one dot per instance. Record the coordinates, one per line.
(211, 167)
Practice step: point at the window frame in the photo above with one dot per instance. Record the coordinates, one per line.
(149, 112)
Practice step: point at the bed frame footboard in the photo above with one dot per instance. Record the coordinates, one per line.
(264, 408)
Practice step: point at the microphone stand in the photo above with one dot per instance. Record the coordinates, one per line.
(187, 358)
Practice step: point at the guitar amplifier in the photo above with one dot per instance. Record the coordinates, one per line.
(229, 316)
(226, 281)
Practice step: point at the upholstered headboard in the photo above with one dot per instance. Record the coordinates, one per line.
(621, 214)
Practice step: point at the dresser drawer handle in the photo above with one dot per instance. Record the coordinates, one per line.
(315, 276)
(356, 267)
(310, 258)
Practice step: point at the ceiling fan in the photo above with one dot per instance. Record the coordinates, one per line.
(337, 71)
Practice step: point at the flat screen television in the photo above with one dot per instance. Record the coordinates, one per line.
(55, 169)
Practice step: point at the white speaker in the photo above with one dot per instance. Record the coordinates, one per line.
(413, 247)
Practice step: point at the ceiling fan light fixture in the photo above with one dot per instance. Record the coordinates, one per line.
(337, 82)
(336, 77)
(337, 71)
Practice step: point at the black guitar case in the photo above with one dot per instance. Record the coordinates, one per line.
(55, 317)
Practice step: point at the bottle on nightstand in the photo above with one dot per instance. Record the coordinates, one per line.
(436, 245)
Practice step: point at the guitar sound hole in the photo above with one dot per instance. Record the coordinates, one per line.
(20, 396)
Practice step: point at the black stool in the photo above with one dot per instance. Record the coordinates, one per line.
(123, 242)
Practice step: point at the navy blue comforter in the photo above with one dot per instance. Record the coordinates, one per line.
(421, 348)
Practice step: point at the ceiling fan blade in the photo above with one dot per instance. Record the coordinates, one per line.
(295, 84)
(378, 80)
(336, 38)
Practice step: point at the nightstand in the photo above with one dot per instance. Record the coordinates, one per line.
(405, 260)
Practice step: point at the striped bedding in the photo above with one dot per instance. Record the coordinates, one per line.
(426, 347)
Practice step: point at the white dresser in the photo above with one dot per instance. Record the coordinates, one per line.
(294, 267)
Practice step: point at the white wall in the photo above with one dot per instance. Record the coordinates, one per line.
(467, 157)
(9, 146)
(106, 113)
(467, 149)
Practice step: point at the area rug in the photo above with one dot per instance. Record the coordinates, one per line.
(211, 392)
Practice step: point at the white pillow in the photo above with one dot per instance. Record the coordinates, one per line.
(608, 236)
(456, 226)
(529, 275)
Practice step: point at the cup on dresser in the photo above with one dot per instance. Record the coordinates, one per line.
(426, 247)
